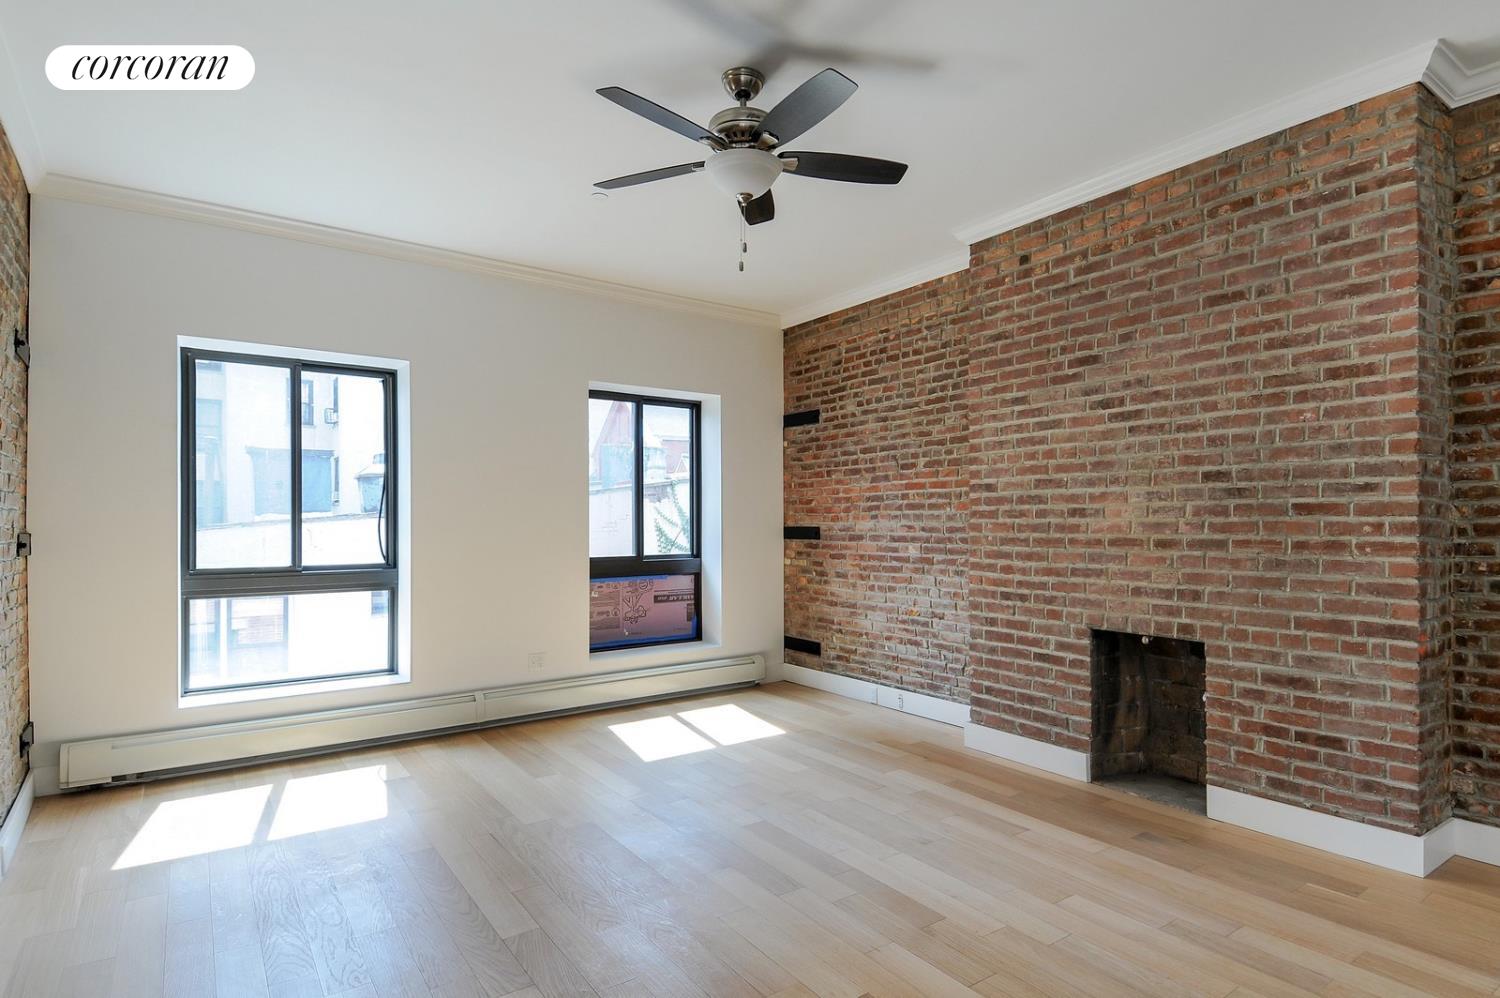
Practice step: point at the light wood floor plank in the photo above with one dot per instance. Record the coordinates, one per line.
(552, 972)
(189, 971)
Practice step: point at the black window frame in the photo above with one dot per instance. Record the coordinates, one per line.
(640, 564)
(306, 395)
(295, 578)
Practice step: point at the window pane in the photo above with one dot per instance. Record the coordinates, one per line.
(667, 433)
(243, 465)
(344, 498)
(241, 640)
(611, 478)
(642, 610)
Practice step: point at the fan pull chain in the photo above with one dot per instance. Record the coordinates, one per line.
(744, 246)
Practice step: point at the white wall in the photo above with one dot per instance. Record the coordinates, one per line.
(500, 371)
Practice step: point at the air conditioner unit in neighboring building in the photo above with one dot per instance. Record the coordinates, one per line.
(331, 416)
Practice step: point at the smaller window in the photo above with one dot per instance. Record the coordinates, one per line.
(644, 564)
(307, 402)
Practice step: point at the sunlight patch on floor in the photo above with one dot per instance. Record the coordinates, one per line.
(193, 826)
(330, 800)
(730, 724)
(666, 737)
(660, 738)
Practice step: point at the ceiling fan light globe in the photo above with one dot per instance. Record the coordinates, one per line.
(738, 172)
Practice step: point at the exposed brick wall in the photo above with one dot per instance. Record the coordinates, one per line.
(1476, 465)
(1197, 401)
(15, 263)
(884, 474)
(1213, 407)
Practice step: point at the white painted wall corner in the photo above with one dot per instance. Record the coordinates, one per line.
(15, 824)
(1475, 841)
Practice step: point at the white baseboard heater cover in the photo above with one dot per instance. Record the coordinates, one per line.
(105, 760)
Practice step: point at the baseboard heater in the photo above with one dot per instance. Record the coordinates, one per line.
(179, 750)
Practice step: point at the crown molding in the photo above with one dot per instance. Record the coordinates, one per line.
(948, 263)
(1370, 81)
(64, 188)
(1456, 83)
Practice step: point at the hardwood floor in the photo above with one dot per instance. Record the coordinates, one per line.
(781, 841)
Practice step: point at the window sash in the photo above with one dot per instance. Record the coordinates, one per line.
(639, 563)
(189, 512)
(206, 583)
(185, 623)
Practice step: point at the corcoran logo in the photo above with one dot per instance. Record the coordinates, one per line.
(150, 67)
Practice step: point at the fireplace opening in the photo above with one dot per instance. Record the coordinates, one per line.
(1148, 717)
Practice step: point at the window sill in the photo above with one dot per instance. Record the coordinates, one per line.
(253, 694)
(688, 650)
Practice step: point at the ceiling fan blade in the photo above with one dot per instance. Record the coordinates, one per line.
(849, 169)
(761, 209)
(808, 104)
(655, 112)
(632, 179)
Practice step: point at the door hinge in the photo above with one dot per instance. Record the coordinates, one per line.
(22, 346)
(23, 544)
(28, 737)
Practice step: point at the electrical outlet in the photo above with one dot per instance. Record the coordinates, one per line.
(536, 661)
(900, 701)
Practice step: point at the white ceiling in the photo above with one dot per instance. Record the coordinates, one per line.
(472, 125)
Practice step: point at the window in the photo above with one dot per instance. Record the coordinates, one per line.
(288, 522)
(644, 566)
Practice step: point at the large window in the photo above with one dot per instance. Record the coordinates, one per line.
(644, 567)
(288, 521)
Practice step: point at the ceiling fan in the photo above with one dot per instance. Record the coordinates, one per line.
(746, 141)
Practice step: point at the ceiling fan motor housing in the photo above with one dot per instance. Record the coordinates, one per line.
(740, 126)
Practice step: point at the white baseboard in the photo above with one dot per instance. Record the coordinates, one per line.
(1477, 842)
(1342, 836)
(1013, 748)
(1417, 855)
(1028, 752)
(906, 701)
(15, 824)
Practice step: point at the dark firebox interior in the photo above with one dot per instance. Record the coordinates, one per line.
(1148, 716)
